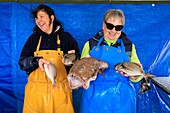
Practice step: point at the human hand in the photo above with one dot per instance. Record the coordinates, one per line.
(124, 74)
(87, 56)
(133, 77)
(71, 51)
(41, 63)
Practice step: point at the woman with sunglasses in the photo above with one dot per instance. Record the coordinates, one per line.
(114, 92)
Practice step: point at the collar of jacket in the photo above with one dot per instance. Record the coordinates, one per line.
(57, 30)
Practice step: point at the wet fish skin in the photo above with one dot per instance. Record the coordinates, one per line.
(69, 58)
(133, 69)
(51, 73)
(85, 70)
(129, 68)
(74, 81)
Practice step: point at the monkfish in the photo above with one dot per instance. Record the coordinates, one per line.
(85, 70)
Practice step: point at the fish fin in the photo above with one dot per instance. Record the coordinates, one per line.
(137, 64)
(54, 85)
(150, 76)
(121, 72)
(100, 71)
(145, 85)
(103, 74)
(86, 85)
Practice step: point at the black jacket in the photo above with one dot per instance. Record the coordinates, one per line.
(29, 63)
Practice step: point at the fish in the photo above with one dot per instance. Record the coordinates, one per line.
(84, 71)
(51, 73)
(135, 70)
(69, 58)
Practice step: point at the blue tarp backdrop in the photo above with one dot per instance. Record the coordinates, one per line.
(147, 25)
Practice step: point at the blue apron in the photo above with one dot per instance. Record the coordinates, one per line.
(112, 93)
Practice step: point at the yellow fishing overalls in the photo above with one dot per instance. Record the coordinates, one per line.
(39, 95)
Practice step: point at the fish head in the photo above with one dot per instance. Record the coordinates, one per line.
(80, 73)
(69, 58)
(46, 66)
(86, 71)
(103, 65)
(74, 81)
(118, 67)
(76, 77)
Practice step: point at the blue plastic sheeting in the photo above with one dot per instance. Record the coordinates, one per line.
(147, 25)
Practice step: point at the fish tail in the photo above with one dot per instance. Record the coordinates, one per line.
(54, 85)
(150, 76)
(86, 85)
(145, 84)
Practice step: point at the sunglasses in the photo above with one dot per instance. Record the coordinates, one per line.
(111, 26)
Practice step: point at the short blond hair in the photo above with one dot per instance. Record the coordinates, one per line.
(114, 13)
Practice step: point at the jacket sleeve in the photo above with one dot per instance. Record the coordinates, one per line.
(85, 50)
(76, 48)
(27, 61)
(28, 64)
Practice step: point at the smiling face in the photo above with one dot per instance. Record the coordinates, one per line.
(113, 18)
(44, 22)
(112, 34)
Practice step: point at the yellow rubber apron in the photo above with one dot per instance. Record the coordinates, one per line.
(39, 95)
